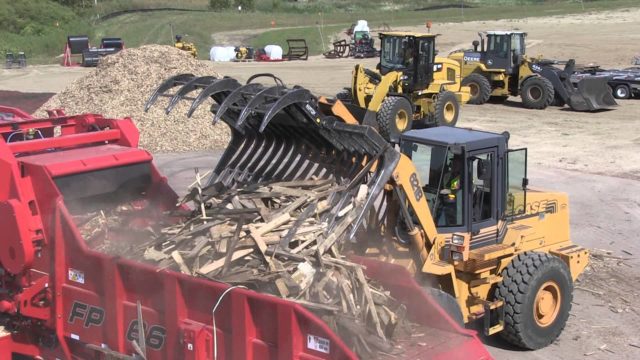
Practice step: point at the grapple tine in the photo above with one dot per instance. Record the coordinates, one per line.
(259, 99)
(220, 86)
(289, 98)
(269, 75)
(165, 86)
(194, 84)
(281, 134)
(233, 98)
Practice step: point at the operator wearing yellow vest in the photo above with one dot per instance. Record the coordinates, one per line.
(451, 202)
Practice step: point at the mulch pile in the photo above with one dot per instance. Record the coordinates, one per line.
(120, 86)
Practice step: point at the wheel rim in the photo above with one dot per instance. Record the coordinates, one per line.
(547, 304)
(449, 112)
(474, 90)
(535, 93)
(402, 120)
(622, 92)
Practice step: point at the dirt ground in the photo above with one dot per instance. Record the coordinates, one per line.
(595, 157)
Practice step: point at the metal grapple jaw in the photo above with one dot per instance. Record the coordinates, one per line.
(286, 134)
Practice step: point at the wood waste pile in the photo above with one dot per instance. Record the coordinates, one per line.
(281, 238)
(122, 83)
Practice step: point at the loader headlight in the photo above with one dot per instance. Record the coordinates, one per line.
(404, 78)
(457, 239)
(437, 67)
(456, 256)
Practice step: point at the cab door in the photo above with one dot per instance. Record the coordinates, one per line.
(482, 197)
(425, 58)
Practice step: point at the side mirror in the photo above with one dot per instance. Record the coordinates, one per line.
(475, 44)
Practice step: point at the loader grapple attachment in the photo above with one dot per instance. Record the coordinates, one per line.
(282, 134)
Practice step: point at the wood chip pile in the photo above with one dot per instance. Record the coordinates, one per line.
(280, 238)
(120, 86)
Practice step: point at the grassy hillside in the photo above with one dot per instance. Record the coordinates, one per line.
(40, 27)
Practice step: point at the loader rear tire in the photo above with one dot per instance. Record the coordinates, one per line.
(395, 117)
(537, 291)
(480, 88)
(537, 93)
(447, 109)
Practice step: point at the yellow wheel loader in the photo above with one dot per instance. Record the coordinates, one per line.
(186, 46)
(501, 68)
(451, 205)
(410, 87)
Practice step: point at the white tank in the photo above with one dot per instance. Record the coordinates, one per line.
(274, 52)
(222, 53)
(361, 26)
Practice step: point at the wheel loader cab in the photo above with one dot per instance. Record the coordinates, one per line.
(504, 49)
(464, 177)
(410, 54)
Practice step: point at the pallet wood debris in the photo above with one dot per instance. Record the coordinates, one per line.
(281, 238)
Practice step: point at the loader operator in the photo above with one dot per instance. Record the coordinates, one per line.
(450, 210)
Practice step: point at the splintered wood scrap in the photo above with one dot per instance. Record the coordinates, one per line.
(313, 183)
(336, 233)
(267, 227)
(370, 304)
(217, 264)
(181, 264)
(284, 233)
(232, 246)
(262, 246)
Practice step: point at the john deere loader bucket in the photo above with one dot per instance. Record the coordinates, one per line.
(283, 134)
(589, 94)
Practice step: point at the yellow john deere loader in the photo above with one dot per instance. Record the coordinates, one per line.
(186, 46)
(501, 68)
(452, 205)
(411, 87)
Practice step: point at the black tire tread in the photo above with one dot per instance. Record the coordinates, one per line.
(440, 103)
(547, 88)
(386, 116)
(514, 288)
(484, 88)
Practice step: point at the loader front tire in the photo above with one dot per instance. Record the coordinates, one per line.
(479, 87)
(537, 93)
(447, 109)
(537, 291)
(395, 117)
